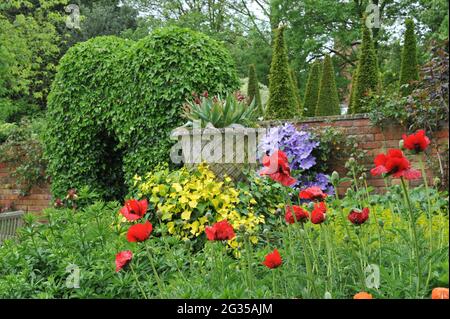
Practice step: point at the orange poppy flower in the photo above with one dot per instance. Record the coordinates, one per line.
(362, 295)
(439, 293)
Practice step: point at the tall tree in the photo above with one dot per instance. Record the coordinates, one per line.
(328, 100)
(253, 93)
(367, 77)
(312, 90)
(282, 103)
(409, 70)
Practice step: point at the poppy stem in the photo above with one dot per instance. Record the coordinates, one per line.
(430, 216)
(413, 228)
(157, 278)
(138, 282)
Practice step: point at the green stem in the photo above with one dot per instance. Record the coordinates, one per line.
(138, 282)
(430, 217)
(157, 278)
(413, 228)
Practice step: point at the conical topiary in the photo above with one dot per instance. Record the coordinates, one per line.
(328, 100)
(312, 90)
(253, 90)
(281, 103)
(352, 92)
(409, 69)
(296, 93)
(367, 78)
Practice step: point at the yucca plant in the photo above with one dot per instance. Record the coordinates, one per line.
(220, 112)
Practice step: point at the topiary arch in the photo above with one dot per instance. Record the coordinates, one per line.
(114, 103)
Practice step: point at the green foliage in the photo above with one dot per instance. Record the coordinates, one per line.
(328, 99)
(409, 69)
(114, 103)
(36, 264)
(221, 112)
(282, 102)
(367, 78)
(312, 90)
(253, 90)
(30, 31)
(22, 150)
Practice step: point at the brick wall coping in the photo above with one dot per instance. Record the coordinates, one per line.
(334, 118)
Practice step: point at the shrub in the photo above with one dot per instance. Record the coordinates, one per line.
(312, 90)
(409, 70)
(253, 92)
(282, 103)
(187, 201)
(114, 103)
(367, 78)
(328, 99)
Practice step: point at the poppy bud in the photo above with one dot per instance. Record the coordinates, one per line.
(242, 228)
(327, 295)
(334, 177)
(346, 239)
(436, 181)
(381, 223)
(400, 144)
(158, 213)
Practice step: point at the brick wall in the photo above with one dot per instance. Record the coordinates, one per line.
(38, 198)
(370, 138)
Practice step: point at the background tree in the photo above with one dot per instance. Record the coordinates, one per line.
(409, 68)
(328, 100)
(253, 89)
(312, 90)
(367, 77)
(282, 102)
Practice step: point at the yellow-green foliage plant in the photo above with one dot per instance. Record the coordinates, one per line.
(187, 201)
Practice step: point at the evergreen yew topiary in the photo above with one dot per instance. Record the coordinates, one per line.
(352, 92)
(253, 90)
(282, 103)
(114, 103)
(312, 90)
(296, 92)
(409, 69)
(367, 77)
(328, 99)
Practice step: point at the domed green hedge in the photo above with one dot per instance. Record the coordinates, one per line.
(114, 103)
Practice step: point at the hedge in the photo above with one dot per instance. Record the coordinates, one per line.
(114, 103)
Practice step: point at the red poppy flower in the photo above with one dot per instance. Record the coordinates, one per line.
(394, 163)
(220, 231)
(318, 214)
(276, 166)
(439, 293)
(58, 203)
(134, 209)
(301, 214)
(139, 232)
(123, 258)
(312, 193)
(358, 217)
(417, 142)
(273, 259)
(362, 295)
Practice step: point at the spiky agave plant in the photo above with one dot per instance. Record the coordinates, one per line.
(220, 112)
